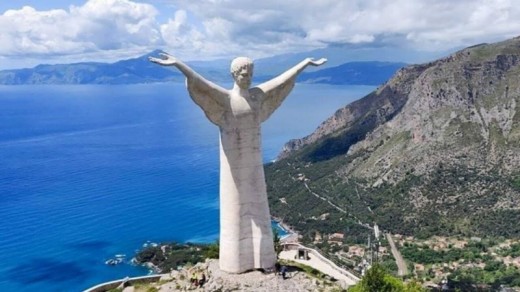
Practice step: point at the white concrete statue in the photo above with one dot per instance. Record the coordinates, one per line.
(246, 239)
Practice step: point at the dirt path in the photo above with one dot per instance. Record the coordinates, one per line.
(336, 206)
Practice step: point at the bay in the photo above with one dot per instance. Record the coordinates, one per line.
(87, 172)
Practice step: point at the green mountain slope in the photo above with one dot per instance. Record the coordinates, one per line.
(435, 150)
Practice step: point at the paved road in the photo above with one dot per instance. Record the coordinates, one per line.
(322, 266)
(401, 264)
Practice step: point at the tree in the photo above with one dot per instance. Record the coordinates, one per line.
(413, 286)
(378, 280)
(277, 242)
(212, 251)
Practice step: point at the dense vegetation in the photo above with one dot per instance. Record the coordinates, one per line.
(171, 256)
(391, 206)
(493, 276)
(479, 263)
(425, 255)
(378, 279)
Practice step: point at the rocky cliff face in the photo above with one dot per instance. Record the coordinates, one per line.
(439, 140)
(362, 116)
(464, 105)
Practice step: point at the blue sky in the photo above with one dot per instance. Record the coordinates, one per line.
(56, 31)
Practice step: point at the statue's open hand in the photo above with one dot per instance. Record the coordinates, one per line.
(164, 60)
(318, 62)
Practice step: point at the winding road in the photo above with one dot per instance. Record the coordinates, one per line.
(401, 264)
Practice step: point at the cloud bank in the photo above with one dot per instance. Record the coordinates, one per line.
(222, 28)
(97, 25)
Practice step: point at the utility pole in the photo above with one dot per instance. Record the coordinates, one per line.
(371, 250)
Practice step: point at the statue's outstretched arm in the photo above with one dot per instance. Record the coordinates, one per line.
(212, 98)
(214, 91)
(277, 89)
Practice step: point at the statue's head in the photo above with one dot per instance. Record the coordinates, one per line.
(242, 71)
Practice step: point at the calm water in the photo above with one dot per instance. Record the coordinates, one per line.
(87, 172)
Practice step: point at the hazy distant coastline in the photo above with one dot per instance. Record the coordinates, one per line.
(140, 70)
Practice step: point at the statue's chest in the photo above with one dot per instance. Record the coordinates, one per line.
(242, 108)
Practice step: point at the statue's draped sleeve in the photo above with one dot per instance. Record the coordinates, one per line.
(212, 98)
(273, 93)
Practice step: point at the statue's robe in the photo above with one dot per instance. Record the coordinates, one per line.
(246, 239)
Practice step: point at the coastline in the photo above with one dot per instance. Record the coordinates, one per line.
(290, 236)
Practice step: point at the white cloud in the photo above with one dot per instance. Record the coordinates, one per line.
(115, 24)
(181, 36)
(303, 25)
(202, 29)
(98, 25)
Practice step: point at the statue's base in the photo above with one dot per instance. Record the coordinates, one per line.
(256, 280)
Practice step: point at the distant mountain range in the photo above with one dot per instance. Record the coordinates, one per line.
(366, 73)
(140, 70)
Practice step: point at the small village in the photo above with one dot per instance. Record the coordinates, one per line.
(430, 261)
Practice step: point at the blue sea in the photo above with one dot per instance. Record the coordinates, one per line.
(87, 172)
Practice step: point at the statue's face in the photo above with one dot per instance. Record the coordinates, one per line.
(243, 77)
